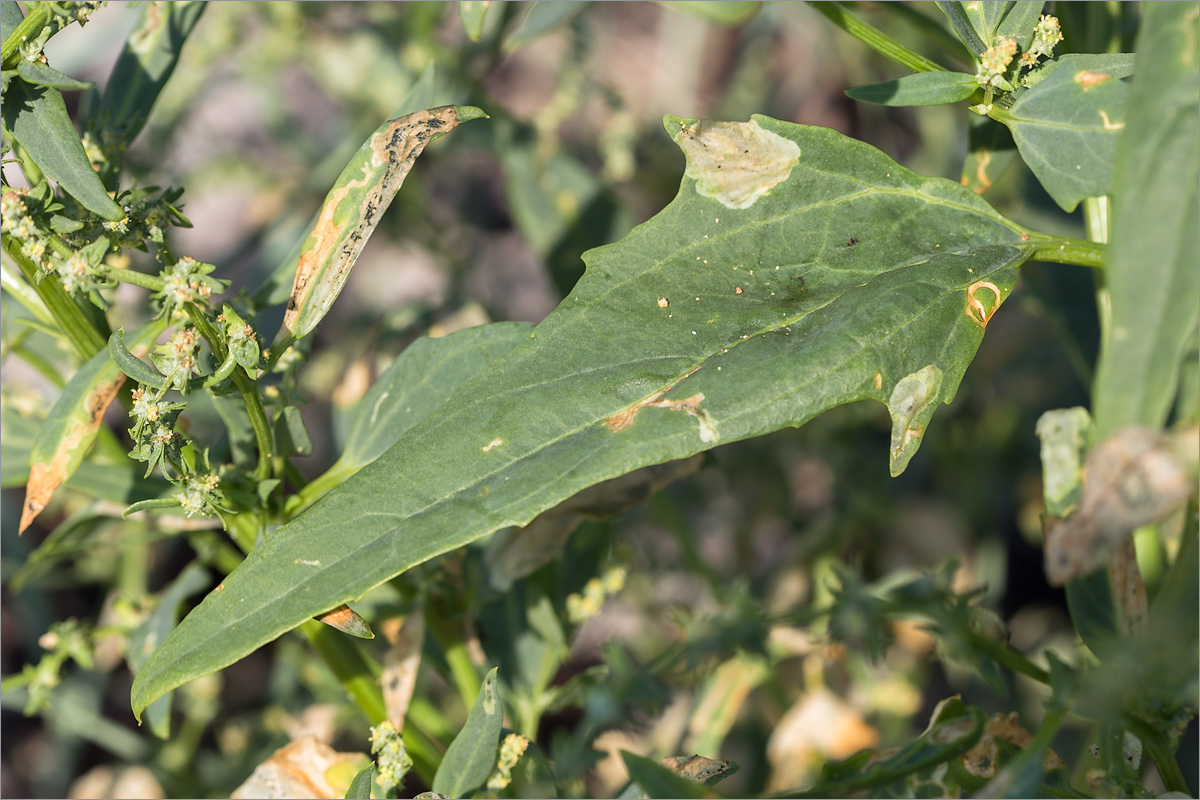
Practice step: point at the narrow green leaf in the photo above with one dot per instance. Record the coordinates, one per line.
(73, 424)
(726, 13)
(352, 210)
(10, 17)
(360, 787)
(656, 780)
(1014, 20)
(1067, 125)
(41, 75)
(37, 118)
(473, 14)
(918, 89)
(142, 641)
(868, 769)
(964, 26)
(471, 757)
(539, 19)
(144, 66)
(797, 270)
(1151, 278)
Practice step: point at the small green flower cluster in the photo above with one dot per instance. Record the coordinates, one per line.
(511, 750)
(392, 759)
(68, 639)
(187, 281)
(1000, 68)
(63, 13)
(583, 606)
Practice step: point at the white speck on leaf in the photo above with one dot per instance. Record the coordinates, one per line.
(494, 443)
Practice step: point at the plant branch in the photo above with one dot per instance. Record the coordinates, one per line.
(83, 338)
(875, 39)
(1065, 250)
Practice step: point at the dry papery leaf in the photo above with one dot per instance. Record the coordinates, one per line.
(306, 768)
(1131, 479)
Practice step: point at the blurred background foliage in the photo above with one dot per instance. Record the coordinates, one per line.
(704, 641)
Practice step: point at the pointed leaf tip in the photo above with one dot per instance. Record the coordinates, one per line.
(468, 113)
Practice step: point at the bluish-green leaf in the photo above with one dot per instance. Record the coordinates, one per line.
(37, 73)
(155, 629)
(470, 758)
(918, 89)
(144, 66)
(421, 379)
(990, 151)
(10, 17)
(797, 270)
(37, 118)
(978, 24)
(360, 787)
(1151, 277)
(1066, 127)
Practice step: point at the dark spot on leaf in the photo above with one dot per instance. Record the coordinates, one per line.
(853, 241)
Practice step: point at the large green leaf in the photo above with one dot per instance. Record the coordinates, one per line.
(36, 116)
(144, 66)
(1066, 125)
(1151, 270)
(797, 270)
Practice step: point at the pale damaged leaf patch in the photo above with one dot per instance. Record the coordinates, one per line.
(700, 769)
(352, 210)
(305, 768)
(347, 620)
(73, 424)
(1131, 479)
(911, 405)
(406, 636)
(689, 405)
(734, 163)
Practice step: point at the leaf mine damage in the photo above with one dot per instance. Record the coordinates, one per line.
(735, 163)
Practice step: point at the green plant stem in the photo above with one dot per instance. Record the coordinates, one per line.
(151, 282)
(931, 29)
(248, 389)
(1007, 656)
(39, 15)
(1096, 221)
(875, 39)
(316, 489)
(1065, 250)
(351, 669)
(462, 669)
(83, 338)
(1155, 743)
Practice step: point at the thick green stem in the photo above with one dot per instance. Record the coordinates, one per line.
(351, 669)
(151, 282)
(39, 15)
(462, 669)
(1064, 250)
(875, 39)
(83, 338)
(247, 387)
